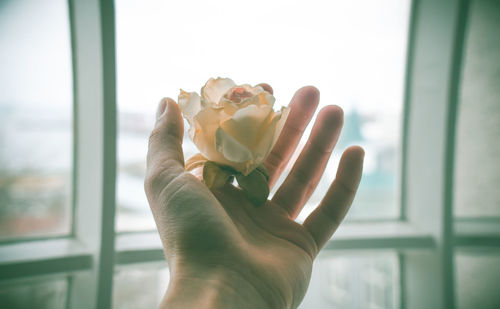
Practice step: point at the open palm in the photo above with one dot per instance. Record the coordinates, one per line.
(218, 238)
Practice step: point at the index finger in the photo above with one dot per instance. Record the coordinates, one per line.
(302, 108)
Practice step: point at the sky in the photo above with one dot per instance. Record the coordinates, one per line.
(35, 54)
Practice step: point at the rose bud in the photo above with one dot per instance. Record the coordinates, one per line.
(233, 126)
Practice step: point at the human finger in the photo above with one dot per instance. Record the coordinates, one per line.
(165, 159)
(307, 170)
(326, 218)
(302, 108)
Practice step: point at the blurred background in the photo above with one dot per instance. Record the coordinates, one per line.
(355, 52)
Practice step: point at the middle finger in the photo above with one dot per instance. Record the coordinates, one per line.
(307, 170)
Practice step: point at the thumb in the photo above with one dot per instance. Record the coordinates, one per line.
(165, 159)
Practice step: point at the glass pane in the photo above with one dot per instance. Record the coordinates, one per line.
(140, 286)
(477, 172)
(354, 281)
(338, 281)
(46, 294)
(35, 118)
(477, 277)
(353, 51)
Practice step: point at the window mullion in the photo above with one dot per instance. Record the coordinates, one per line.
(92, 28)
(438, 29)
(107, 252)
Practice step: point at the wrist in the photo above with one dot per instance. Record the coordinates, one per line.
(219, 288)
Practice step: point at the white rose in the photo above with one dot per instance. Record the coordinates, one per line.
(233, 125)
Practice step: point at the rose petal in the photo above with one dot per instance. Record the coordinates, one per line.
(202, 132)
(190, 104)
(264, 146)
(270, 135)
(214, 89)
(285, 111)
(230, 148)
(253, 90)
(247, 123)
(195, 161)
(261, 97)
(267, 98)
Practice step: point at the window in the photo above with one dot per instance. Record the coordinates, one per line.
(477, 172)
(36, 141)
(476, 278)
(355, 57)
(359, 280)
(417, 82)
(476, 195)
(45, 293)
(140, 286)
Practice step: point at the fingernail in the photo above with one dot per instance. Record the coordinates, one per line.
(162, 107)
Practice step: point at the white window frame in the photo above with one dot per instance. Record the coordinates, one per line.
(425, 237)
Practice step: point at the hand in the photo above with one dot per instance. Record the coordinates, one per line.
(222, 251)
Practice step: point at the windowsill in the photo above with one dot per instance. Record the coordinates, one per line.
(65, 255)
(138, 247)
(395, 235)
(146, 246)
(43, 257)
(477, 232)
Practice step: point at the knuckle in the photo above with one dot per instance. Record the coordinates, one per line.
(154, 137)
(161, 174)
(332, 215)
(165, 134)
(274, 161)
(149, 182)
(154, 179)
(349, 190)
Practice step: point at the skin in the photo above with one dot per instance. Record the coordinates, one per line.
(222, 251)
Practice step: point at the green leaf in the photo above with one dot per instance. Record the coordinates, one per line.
(215, 176)
(261, 168)
(255, 186)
